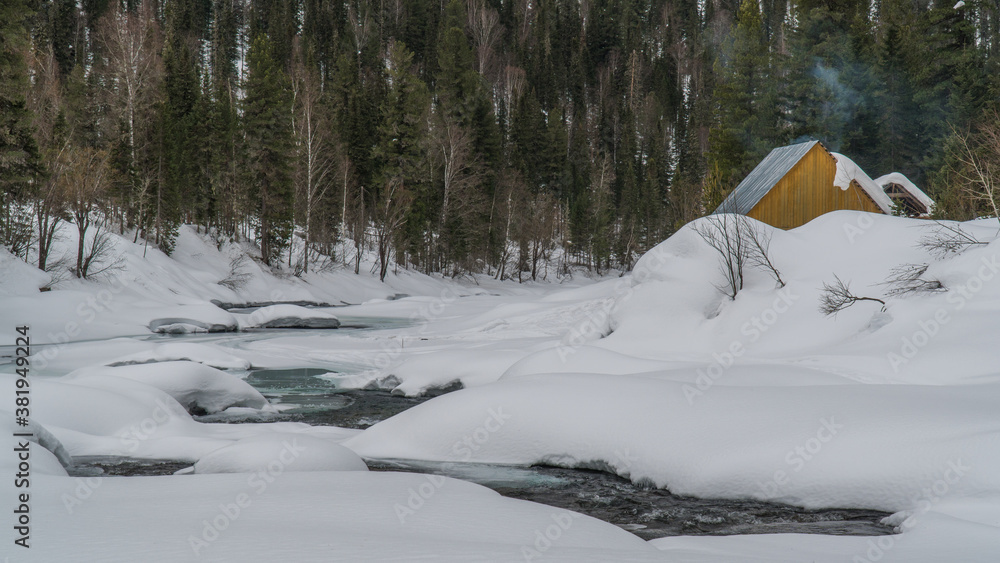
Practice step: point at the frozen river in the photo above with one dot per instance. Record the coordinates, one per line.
(306, 389)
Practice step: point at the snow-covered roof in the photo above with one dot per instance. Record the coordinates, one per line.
(847, 170)
(905, 183)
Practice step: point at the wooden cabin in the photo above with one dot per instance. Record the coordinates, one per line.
(909, 200)
(795, 184)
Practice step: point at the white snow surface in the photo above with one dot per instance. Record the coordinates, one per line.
(902, 180)
(290, 453)
(656, 376)
(182, 351)
(270, 313)
(191, 384)
(847, 170)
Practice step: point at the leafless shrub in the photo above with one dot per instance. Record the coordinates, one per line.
(721, 232)
(59, 271)
(101, 258)
(908, 279)
(838, 296)
(758, 242)
(237, 278)
(947, 239)
(741, 243)
(16, 230)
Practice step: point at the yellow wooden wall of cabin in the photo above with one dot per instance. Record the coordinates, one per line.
(807, 192)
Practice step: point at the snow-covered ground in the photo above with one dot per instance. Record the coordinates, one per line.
(657, 376)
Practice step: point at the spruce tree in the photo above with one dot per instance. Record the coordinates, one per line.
(269, 148)
(19, 158)
(746, 101)
(400, 155)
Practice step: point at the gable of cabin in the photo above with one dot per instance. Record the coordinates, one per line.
(806, 191)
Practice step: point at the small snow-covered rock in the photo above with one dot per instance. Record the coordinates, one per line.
(195, 386)
(177, 351)
(187, 326)
(277, 453)
(290, 316)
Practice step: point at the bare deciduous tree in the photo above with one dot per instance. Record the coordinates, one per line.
(537, 233)
(486, 32)
(838, 296)
(758, 240)
(312, 137)
(722, 233)
(85, 180)
(390, 216)
(132, 43)
(509, 193)
(740, 242)
(45, 101)
(977, 167)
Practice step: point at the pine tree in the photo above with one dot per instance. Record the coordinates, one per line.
(20, 163)
(19, 158)
(400, 153)
(269, 148)
(182, 181)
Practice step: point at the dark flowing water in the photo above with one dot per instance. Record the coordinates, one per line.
(647, 512)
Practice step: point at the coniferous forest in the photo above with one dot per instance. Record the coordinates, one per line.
(455, 136)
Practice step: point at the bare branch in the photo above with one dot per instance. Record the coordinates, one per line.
(907, 279)
(947, 239)
(758, 242)
(837, 297)
(236, 278)
(722, 233)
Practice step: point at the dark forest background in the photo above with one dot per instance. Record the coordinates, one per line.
(459, 136)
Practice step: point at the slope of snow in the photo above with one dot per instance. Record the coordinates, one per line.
(151, 291)
(18, 278)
